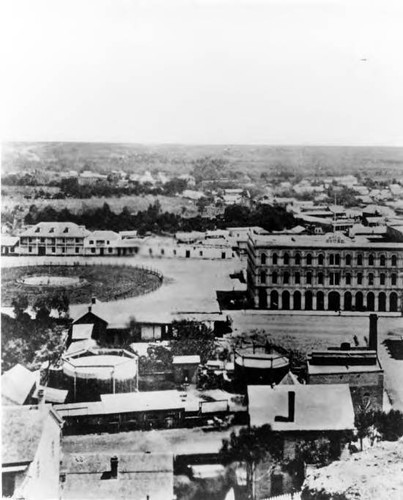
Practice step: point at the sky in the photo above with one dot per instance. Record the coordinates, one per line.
(310, 72)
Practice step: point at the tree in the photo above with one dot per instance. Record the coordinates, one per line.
(42, 309)
(251, 446)
(61, 303)
(364, 419)
(193, 338)
(20, 304)
(389, 424)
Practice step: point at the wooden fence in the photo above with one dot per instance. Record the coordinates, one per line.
(286, 496)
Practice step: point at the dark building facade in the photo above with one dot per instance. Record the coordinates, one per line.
(330, 272)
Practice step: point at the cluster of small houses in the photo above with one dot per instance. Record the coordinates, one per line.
(364, 194)
(95, 389)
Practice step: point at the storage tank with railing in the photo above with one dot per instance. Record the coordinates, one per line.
(259, 365)
(107, 372)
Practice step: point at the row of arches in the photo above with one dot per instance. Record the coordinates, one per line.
(321, 278)
(332, 259)
(332, 301)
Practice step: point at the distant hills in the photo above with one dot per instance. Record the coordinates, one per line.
(377, 162)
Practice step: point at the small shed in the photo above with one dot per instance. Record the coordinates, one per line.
(185, 368)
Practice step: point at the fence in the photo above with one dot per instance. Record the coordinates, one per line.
(286, 496)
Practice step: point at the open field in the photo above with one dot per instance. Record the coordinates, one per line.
(177, 159)
(106, 282)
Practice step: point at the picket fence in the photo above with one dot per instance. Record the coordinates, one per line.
(286, 496)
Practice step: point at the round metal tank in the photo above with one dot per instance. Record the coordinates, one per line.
(259, 366)
(90, 376)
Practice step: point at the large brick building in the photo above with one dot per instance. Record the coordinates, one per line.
(328, 272)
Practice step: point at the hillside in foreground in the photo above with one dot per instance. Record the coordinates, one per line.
(375, 473)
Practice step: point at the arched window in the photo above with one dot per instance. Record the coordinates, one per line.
(359, 279)
(393, 302)
(286, 259)
(309, 259)
(394, 260)
(320, 278)
(263, 277)
(348, 260)
(309, 300)
(348, 301)
(348, 279)
(371, 259)
(285, 296)
(359, 260)
(286, 278)
(274, 300)
(274, 277)
(370, 279)
(297, 259)
(275, 259)
(370, 301)
(308, 278)
(331, 259)
(359, 301)
(297, 278)
(337, 259)
(382, 301)
(382, 260)
(263, 259)
(321, 259)
(393, 279)
(320, 301)
(297, 300)
(382, 278)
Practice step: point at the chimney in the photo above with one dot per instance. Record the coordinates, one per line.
(373, 332)
(93, 300)
(89, 308)
(41, 397)
(114, 467)
(291, 409)
(291, 406)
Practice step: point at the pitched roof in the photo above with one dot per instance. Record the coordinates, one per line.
(56, 230)
(144, 475)
(52, 395)
(16, 385)
(184, 360)
(22, 428)
(9, 241)
(82, 331)
(103, 235)
(289, 379)
(326, 407)
(142, 401)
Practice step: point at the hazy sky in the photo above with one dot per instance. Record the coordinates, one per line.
(207, 71)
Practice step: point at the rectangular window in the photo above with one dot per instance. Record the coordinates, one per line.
(53, 249)
(92, 250)
(77, 250)
(348, 279)
(30, 249)
(331, 279)
(359, 279)
(337, 278)
(201, 253)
